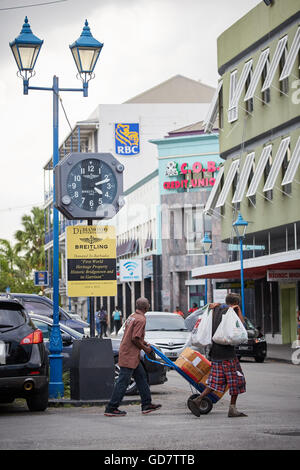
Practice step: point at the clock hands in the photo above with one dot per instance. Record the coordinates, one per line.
(106, 180)
(98, 190)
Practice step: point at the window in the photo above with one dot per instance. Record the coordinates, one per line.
(274, 63)
(265, 95)
(44, 327)
(38, 307)
(267, 170)
(251, 199)
(249, 102)
(283, 84)
(232, 111)
(287, 188)
(221, 109)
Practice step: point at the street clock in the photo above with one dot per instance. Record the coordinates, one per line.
(89, 186)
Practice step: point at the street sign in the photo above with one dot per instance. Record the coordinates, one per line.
(91, 261)
(131, 270)
(41, 278)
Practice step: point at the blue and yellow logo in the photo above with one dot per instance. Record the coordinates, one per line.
(127, 139)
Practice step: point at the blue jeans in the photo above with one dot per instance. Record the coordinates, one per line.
(122, 383)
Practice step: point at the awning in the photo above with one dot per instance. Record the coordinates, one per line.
(210, 204)
(213, 109)
(274, 63)
(240, 84)
(259, 170)
(293, 165)
(228, 182)
(257, 74)
(277, 164)
(232, 112)
(254, 268)
(293, 52)
(243, 179)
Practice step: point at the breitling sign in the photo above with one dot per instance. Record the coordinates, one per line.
(91, 261)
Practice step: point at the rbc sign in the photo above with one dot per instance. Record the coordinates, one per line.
(127, 139)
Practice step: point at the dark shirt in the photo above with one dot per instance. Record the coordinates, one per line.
(220, 352)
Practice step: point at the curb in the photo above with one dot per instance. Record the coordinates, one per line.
(60, 402)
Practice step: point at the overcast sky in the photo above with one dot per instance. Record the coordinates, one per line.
(145, 43)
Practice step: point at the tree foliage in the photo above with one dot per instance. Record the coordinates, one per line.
(19, 261)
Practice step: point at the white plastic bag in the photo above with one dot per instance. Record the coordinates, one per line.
(202, 332)
(231, 330)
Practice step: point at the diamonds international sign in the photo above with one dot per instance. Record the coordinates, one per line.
(91, 261)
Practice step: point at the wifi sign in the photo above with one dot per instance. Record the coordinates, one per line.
(130, 270)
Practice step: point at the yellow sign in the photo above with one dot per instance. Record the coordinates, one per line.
(91, 261)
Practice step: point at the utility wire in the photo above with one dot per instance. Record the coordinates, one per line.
(33, 5)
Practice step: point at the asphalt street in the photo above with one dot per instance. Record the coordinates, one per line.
(272, 402)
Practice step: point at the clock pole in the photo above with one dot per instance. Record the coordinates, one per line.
(91, 305)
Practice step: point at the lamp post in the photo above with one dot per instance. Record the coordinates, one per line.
(86, 50)
(240, 227)
(206, 244)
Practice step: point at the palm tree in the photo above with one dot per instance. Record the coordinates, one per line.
(30, 241)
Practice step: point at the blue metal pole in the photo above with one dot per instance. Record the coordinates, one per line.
(205, 300)
(56, 386)
(242, 276)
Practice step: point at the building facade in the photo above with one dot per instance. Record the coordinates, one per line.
(189, 163)
(258, 105)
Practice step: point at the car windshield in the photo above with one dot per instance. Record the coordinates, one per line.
(42, 308)
(249, 325)
(46, 326)
(165, 323)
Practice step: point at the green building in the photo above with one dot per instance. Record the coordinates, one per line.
(258, 103)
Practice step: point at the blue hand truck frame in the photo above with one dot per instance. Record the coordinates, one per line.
(207, 402)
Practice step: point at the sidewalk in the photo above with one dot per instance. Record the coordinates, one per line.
(280, 352)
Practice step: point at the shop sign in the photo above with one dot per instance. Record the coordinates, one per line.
(91, 261)
(172, 169)
(283, 275)
(127, 139)
(131, 270)
(41, 278)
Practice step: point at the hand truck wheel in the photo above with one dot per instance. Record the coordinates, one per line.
(205, 405)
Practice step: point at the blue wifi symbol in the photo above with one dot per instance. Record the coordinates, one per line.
(130, 266)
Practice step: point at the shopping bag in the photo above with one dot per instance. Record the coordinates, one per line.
(202, 332)
(231, 330)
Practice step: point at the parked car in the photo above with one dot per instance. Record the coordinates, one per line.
(68, 336)
(166, 331)
(23, 357)
(155, 372)
(256, 346)
(42, 305)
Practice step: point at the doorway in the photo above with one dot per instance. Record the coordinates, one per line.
(288, 313)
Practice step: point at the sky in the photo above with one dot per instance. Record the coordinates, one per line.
(145, 43)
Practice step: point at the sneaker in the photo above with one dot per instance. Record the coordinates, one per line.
(115, 412)
(194, 407)
(149, 408)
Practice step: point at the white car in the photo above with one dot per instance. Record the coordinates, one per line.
(165, 330)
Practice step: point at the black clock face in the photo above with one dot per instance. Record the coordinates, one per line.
(91, 183)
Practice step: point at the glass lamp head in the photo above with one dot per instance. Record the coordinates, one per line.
(26, 48)
(240, 226)
(86, 51)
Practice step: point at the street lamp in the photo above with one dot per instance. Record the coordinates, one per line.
(240, 227)
(86, 51)
(206, 244)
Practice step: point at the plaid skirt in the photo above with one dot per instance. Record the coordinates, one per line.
(225, 373)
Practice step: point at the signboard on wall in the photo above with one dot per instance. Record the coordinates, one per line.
(283, 275)
(131, 270)
(91, 261)
(41, 278)
(127, 139)
(198, 175)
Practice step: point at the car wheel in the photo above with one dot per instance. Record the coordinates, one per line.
(205, 405)
(259, 358)
(39, 400)
(132, 388)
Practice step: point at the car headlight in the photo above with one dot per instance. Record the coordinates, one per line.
(262, 339)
